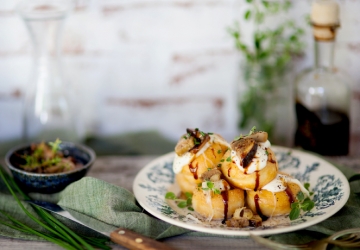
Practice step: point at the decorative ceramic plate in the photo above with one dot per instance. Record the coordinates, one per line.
(330, 187)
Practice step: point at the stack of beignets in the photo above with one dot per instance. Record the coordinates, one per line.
(217, 173)
(252, 166)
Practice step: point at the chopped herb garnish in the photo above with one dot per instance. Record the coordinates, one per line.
(238, 137)
(210, 133)
(228, 159)
(196, 142)
(219, 165)
(210, 186)
(222, 160)
(181, 203)
(307, 186)
(219, 151)
(253, 130)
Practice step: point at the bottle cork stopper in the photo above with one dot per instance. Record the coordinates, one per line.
(325, 12)
(325, 19)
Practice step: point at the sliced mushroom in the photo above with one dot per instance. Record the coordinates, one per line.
(211, 175)
(184, 145)
(199, 146)
(245, 149)
(241, 222)
(259, 136)
(255, 221)
(243, 146)
(243, 213)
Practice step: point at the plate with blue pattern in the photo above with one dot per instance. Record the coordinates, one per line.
(329, 186)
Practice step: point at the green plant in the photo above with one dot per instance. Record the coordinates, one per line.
(267, 58)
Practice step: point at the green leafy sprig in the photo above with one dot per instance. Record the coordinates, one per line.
(210, 186)
(56, 231)
(181, 203)
(302, 203)
(252, 130)
(267, 57)
(55, 146)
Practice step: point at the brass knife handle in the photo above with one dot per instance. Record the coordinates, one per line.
(135, 241)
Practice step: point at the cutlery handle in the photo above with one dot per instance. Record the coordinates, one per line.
(135, 241)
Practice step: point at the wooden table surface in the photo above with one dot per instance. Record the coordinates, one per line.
(121, 171)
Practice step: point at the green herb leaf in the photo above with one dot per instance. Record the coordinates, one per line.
(300, 196)
(253, 130)
(295, 213)
(182, 204)
(196, 142)
(228, 159)
(210, 184)
(55, 146)
(188, 194)
(247, 15)
(188, 202)
(307, 205)
(216, 191)
(294, 205)
(170, 196)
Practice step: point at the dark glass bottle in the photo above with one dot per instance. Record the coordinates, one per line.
(322, 93)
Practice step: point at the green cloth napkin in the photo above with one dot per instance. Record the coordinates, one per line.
(116, 206)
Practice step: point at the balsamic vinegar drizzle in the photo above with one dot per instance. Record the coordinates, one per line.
(258, 210)
(225, 196)
(257, 180)
(290, 195)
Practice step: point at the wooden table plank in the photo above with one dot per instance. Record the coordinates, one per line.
(121, 171)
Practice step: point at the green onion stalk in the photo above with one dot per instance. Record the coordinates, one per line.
(55, 231)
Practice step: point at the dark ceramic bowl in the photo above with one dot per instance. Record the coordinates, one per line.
(49, 183)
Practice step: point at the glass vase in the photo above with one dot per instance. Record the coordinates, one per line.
(49, 112)
(265, 101)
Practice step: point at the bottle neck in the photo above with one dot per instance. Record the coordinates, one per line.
(324, 54)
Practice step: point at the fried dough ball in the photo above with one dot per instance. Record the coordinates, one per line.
(251, 181)
(267, 203)
(212, 206)
(194, 163)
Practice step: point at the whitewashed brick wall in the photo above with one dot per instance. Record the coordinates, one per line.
(160, 64)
